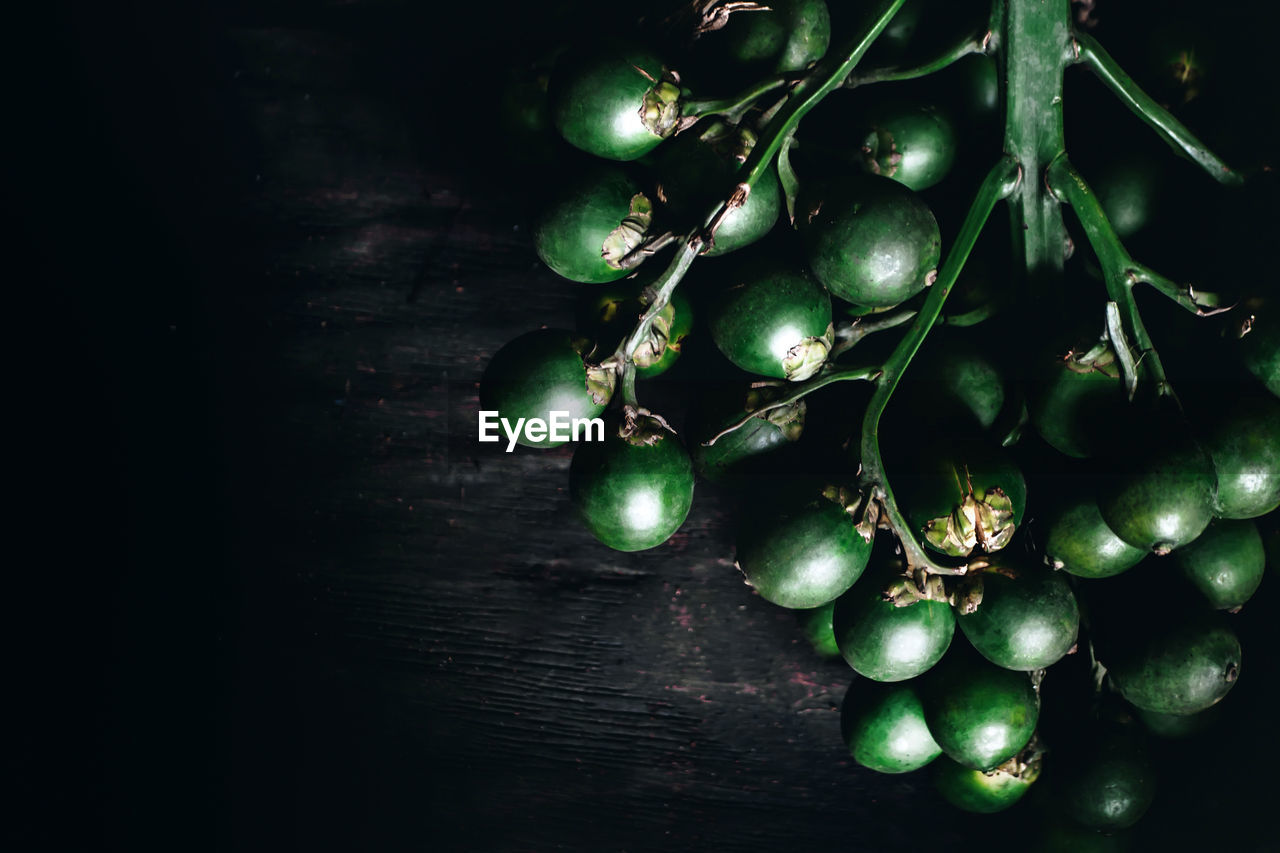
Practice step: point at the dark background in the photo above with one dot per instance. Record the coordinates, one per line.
(270, 592)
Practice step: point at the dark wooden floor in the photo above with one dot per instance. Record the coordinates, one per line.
(341, 622)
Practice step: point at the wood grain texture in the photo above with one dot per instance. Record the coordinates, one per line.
(506, 682)
(341, 623)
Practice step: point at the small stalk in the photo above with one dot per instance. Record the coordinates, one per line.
(973, 44)
(828, 375)
(735, 107)
(1000, 183)
(1172, 131)
(1202, 303)
(1119, 273)
(849, 335)
(662, 289)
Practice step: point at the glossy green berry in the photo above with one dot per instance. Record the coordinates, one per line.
(772, 320)
(816, 626)
(1225, 563)
(983, 792)
(699, 171)
(1074, 397)
(1079, 542)
(780, 37)
(1106, 783)
(962, 496)
(955, 373)
(887, 642)
(1175, 726)
(770, 431)
(981, 715)
(633, 489)
(608, 315)
(1244, 444)
(883, 726)
(614, 101)
(539, 373)
(1181, 667)
(1028, 618)
(803, 555)
(1130, 192)
(1259, 345)
(788, 35)
(1158, 491)
(913, 144)
(869, 239)
(595, 220)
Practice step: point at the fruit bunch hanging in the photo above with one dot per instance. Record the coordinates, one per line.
(1012, 452)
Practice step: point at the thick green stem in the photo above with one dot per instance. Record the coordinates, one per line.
(1000, 182)
(1118, 269)
(1035, 47)
(1144, 107)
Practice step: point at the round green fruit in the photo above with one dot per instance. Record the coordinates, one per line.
(539, 373)
(913, 144)
(887, 642)
(609, 314)
(981, 715)
(1107, 784)
(957, 373)
(1259, 345)
(980, 88)
(769, 431)
(1028, 618)
(1079, 542)
(883, 726)
(1158, 494)
(984, 792)
(1225, 563)
(1075, 397)
(1182, 667)
(816, 627)
(772, 321)
(614, 101)
(633, 489)
(804, 555)
(1174, 726)
(1244, 444)
(1130, 190)
(786, 35)
(869, 239)
(592, 224)
(698, 172)
(962, 496)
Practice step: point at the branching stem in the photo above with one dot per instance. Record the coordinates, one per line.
(971, 45)
(1119, 272)
(828, 375)
(825, 77)
(735, 107)
(848, 335)
(1172, 131)
(999, 183)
